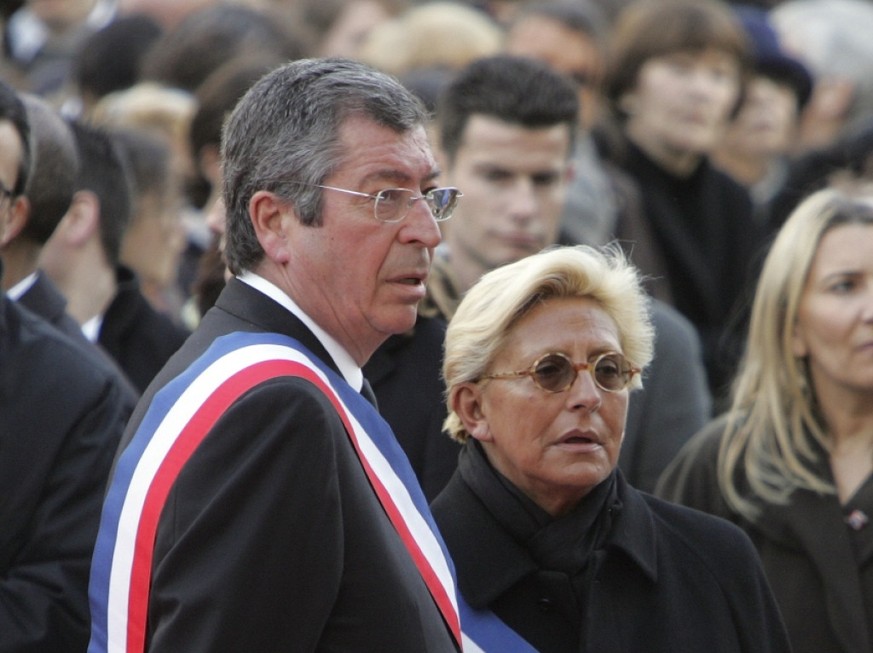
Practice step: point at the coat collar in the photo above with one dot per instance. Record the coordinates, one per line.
(494, 562)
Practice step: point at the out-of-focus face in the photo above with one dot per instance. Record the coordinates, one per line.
(61, 14)
(681, 105)
(154, 241)
(358, 278)
(835, 318)
(514, 181)
(767, 120)
(555, 447)
(569, 52)
(349, 31)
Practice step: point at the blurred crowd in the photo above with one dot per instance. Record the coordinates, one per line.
(170, 71)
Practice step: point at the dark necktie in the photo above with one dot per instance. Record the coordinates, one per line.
(368, 393)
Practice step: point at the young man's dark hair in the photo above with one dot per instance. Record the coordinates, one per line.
(516, 90)
(103, 171)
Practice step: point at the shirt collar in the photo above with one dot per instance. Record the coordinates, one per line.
(348, 368)
(16, 291)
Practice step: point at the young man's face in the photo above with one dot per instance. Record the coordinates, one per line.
(514, 181)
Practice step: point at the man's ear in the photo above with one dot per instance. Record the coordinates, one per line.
(271, 218)
(18, 215)
(466, 401)
(82, 220)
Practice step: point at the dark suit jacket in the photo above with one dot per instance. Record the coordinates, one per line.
(44, 299)
(669, 580)
(271, 538)
(137, 336)
(61, 416)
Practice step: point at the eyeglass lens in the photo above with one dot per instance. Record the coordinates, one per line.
(556, 373)
(392, 204)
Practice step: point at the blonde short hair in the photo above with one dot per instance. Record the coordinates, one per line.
(485, 317)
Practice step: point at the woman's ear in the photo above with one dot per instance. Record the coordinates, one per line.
(466, 401)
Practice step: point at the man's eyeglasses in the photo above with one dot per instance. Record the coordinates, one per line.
(393, 204)
(555, 372)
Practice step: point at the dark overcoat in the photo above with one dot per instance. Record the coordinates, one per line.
(820, 569)
(670, 580)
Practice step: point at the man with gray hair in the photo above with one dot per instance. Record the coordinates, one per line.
(258, 501)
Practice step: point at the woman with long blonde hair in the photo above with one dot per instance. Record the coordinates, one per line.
(792, 460)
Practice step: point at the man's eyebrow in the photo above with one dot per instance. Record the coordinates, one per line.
(399, 177)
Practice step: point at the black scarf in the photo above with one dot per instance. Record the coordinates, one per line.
(564, 544)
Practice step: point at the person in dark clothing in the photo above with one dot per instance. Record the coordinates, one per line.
(277, 508)
(673, 83)
(507, 126)
(42, 205)
(61, 415)
(545, 532)
(82, 258)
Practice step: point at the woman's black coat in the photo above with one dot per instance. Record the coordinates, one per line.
(670, 580)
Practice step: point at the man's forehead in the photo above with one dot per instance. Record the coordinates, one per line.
(486, 137)
(378, 152)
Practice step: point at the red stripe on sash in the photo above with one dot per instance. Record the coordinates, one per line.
(186, 443)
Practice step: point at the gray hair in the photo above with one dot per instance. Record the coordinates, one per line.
(485, 317)
(283, 136)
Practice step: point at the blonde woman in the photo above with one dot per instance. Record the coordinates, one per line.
(791, 461)
(545, 532)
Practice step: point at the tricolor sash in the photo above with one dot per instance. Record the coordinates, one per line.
(178, 419)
